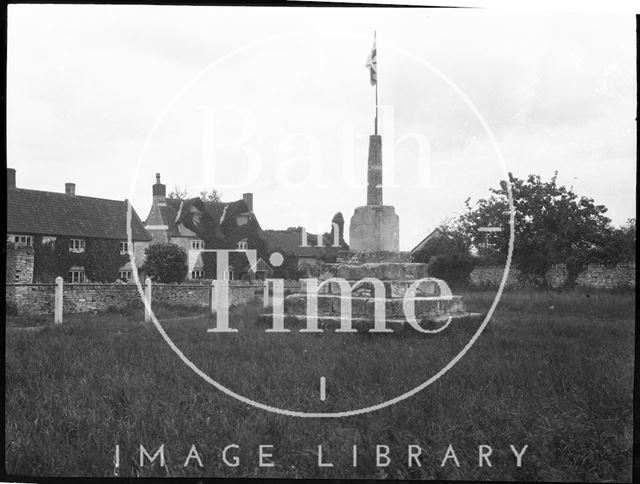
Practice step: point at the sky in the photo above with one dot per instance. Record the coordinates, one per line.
(277, 102)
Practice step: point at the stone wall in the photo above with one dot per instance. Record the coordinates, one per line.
(595, 275)
(78, 298)
(19, 268)
(623, 275)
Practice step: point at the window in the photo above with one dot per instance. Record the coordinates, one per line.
(197, 244)
(76, 245)
(76, 276)
(125, 276)
(199, 274)
(242, 219)
(24, 240)
(48, 239)
(242, 245)
(124, 248)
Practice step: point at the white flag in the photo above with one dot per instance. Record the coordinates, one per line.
(372, 63)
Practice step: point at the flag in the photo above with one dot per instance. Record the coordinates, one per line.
(372, 63)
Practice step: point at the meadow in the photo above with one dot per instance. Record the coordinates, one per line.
(552, 371)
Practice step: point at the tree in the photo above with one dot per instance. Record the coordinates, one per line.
(178, 194)
(448, 256)
(212, 196)
(182, 194)
(166, 262)
(619, 247)
(552, 225)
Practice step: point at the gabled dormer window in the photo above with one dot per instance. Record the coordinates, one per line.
(242, 245)
(197, 244)
(76, 245)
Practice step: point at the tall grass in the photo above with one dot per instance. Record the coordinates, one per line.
(553, 371)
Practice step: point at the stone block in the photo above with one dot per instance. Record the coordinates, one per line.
(374, 228)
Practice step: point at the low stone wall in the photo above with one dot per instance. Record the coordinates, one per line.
(623, 275)
(595, 275)
(78, 298)
(347, 257)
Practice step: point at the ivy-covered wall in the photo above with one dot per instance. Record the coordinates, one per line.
(101, 259)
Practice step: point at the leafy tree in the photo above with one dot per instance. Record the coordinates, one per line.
(552, 225)
(165, 262)
(620, 246)
(448, 256)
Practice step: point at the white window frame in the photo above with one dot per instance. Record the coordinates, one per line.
(197, 274)
(77, 245)
(76, 276)
(23, 240)
(125, 275)
(197, 244)
(242, 245)
(124, 247)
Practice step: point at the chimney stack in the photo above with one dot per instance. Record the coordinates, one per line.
(159, 191)
(70, 189)
(11, 178)
(248, 200)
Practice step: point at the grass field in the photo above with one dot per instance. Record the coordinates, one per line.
(553, 371)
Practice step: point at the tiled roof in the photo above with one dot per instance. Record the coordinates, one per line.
(288, 241)
(49, 213)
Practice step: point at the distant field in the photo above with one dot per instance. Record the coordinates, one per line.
(553, 371)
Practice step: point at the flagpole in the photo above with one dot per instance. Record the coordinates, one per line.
(376, 122)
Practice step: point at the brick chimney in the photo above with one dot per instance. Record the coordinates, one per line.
(159, 191)
(248, 200)
(11, 178)
(70, 189)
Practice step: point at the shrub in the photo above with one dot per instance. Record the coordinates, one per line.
(166, 262)
(452, 267)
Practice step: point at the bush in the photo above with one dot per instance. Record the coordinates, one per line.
(453, 268)
(166, 263)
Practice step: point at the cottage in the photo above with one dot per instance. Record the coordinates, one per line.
(195, 225)
(305, 248)
(36, 218)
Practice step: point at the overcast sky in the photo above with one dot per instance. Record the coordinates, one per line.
(278, 102)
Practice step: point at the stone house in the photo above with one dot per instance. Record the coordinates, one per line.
(305, 247)
(195, 225)
(39, 217)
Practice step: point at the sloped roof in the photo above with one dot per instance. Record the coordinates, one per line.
(289, 241)
(49, 213)
(435, 234)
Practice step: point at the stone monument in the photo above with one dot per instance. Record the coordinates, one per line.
(374, 280)
(374, 227)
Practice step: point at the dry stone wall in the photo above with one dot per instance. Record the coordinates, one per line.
(78, 298)
(595, 276)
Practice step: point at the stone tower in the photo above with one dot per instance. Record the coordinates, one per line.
(374, 227)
